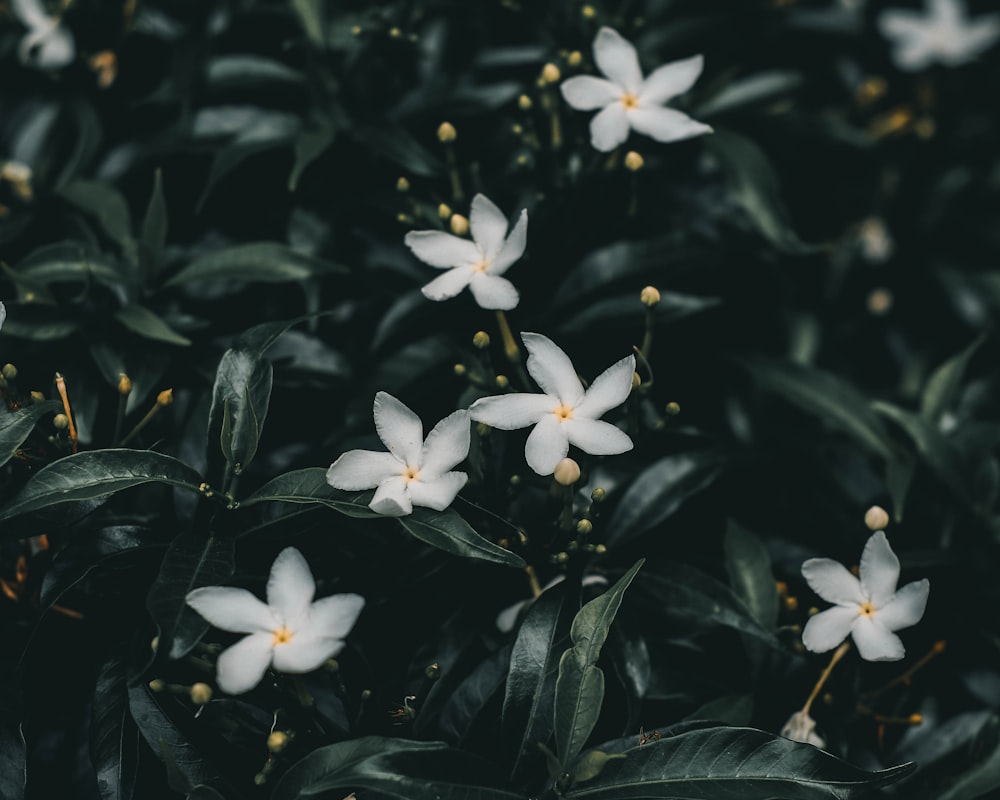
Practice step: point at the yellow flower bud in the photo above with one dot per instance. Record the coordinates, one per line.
(124, 384)
(355, 30)
(402, 185)
(575, 58)
(459, 369)
(9, 371)
(517, 129)
(482, 429)
(561, 558)
(650, 296)
(524, 102)
(446, 132)
(551, 73)
(600, 549)
(567, 472)
(584, 527)
(165, 398)
(395, 32)
(588, 12)
(277, 741)
(636, 380)
(154, 643)
(157, 685)
(879, 301)
(633, 161)
(598, 495)
(481, 340)
(61, 421)
(502, 382)
(673, 409)
(444, 211)
(200, 693)
(459, 225)
(876, 518)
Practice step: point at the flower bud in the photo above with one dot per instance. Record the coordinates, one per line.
(600, 549)
(588, 12)
(277, 741)
(502, 382)
(157, 685)
(200, 693)
(561, 558)
(404, 219)
(584, 527)
(446, 132)
(517, 129)
(459, 225)
(567, 472)
(9, 371)
(154, 643)
(432, 672)
(879, 301)
(636, 380)
(551, 73)
(481, 340)
(524, 102)
(444, 211)
(598, 495)
(124, 384)
(575, 58)
(650, 296)
(482, 429)
(355, 30)
(876, 518)
(61, 421)
(460, 369)
(515, 480)
(673, 409)
(633, 161)
(165, 398)
(395, 33)
(402, 185)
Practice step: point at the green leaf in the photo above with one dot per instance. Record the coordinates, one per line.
(193, 560)
(580, 683)
(762, 87)
(106, 204)
(744, 763)
(447, 531)
(943, 385)
(399, 147)
(257, 262)
(592, 764)
(239, 71)
(16, 426)
(748, 565)
(114, 739)
(97, 473)
(309, 145)
(69, 262)
(153, 237)
(141, 320)
(310, 14)
(309, 486)
(672, 306)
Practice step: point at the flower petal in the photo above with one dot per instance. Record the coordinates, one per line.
(906, 607)
(609, 390)
(234, 610)
(508, 412)
(442, 250)
(665, 124)
(833, 582)
(547, 445)
(449, 284)
(391, 499)
(333, 617)
(362, 469)
(587, 93)
(609, 128)
(979, 35)
(290, 588)
(446, 445)
(305, 653)
(241, 667)
(616, 58)
(875, 642)
(670, 80)
(32, 14)
(493, 292)
(507, 619)
(438, 493)
(513, 247)
(596, 437)
(829, 628)
(489, 226)
(879, 570)
(901, 24)
(399, 428)
(552, 369)
(802, 728)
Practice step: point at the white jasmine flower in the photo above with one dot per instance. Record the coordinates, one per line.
(869, 609)
(944, 34)
(802, 728)
(477, 264)
(290, 632)
(564, 414)
(3, 314)
(47, 44)
(415, 471)
(629, 102)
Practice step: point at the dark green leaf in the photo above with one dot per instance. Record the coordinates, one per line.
(943, 385)
(399, 147)
(309, 145)
(249, 71)
(16, 426)
(672, 306)
(748, 565)
(467, 702)
(592, 764)
(310, 14)
(732, 709)
(106, 204)
(257, 262)
(153, 236)
(309, 486)
(113, 736)
(40, 331)
(762, 87)
(447, 531)
(69, 262)
(141, 320)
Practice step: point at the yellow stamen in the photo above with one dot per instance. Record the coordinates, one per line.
(629, 100)
(411, 474)
(481, 266)
(563, 413)
(282, 636)
(867, 609)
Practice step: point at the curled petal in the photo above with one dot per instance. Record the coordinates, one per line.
(906, 607)
(333, 617)
(833, 582)
(438, 493)
(493, 292)
(442, 250)
(596, 437)
(587, 93)
(670, 80)
(609, 128)
(234, 610)
(508, 412)
(665, 124)
(446, 445)
(552, 369)
(392, 499)
(489, 226)
(547, 445)
(290, 587)
(616, 57)
(876, 642)
(399, 428)
(879, 570)
(362, 469)
(449, 284)
(305, 653)
(241, 667)
(829, 628)
(609, 390)
(513, 247)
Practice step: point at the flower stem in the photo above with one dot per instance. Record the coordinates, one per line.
(510, 348)
(61, 388)
(536, 588)
(907, 676)
(457, 194)
(838, 654)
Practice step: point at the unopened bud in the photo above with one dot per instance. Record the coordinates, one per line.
(524, 102)
(481, 340)
(636, 380)
(459, 225)
(575, 58)
(561, 558)
(444, 211)
(633, 161)
(200, 693)
(584, 526)
(876, 518)
(9, 371)
(277, 741)
(124, 384)
(165, 398)
(598, 495)
(432, 671)
(446, 132)
(157, 685)
(588, 12)
(355, 30)
(517, 129)
(460, 369)
(61, 421)
(673, 409)
(551, 73)
(916, 719)
(879, 301)
(366, 693)
(154, 643)
(404, 219)
(502, 382)
(600, 549)
(567, 472)
(650, 296)
(331, 665)
(791, 602)
(402, 185)
(515, 480)
(395, 33)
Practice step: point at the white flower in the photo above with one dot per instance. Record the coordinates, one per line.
(629, 102)
(3, 314)
(477, 264)
(945, 34)
(802, 728)
(564, 414)
(414, 472)
(869, 609)
(47, 44)
(290, 632)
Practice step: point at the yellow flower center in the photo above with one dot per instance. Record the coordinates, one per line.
(563, 412)
(866, 609)
(282, 636)
(411, 474)
(481, 266)
(630, 100)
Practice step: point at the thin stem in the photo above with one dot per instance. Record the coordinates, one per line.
(536, 588)
(61, 388)
(907, 676)
(838, 654)
(457, 194)
(141, 424)
(510, 348)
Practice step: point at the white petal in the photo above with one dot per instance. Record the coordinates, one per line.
(875, 642)
(552, 369)
(833, 582)
(513, 247)
(906, 607)
(333, 617)
(399, 428)
(438, 493)
(914, 56)
(493, 292)
(442, 249)
(609, 128)
(547, 445)
(3, 314)
(980, 34)
(665, 124)
(449, 284)
(829, 628)
(609, 390)
(596, 437)
(362, 469)
(899, 24)
(616, 58)
(587, 93)
(446, 445)
(489, 226)
(32, 14)
(507, 619)
(290, 587)
(234, 610)
(670, 80)
(58, 49)
(391, 499)
(508, 412)
(879, 570)
(305, 653)
(241, 667)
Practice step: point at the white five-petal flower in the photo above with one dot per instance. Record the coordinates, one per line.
(47, 44)
(290, 632)
(945, 34)
(869, 609)
(564, 413)
(415, 471)
(477, 264)
(629, 102)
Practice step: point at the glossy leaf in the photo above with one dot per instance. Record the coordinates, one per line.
(308, 146)
(16, 426)
(257, 262)
(141, 320)
(309, 486)
(113, 736)
(447, 531)
(69, 262)
(761, 87)
(749, 568)
(107, 205)
(237, 71)
(942, 386)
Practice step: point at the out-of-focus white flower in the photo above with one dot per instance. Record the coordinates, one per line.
(290, 632)
(3, 314)
(564, 413)
(47, 44)
(869, 609)
(628, 102)
(875, 240)
(477, 264)
(802, 728)
(944, 34)
(507, 619)
(415, 472)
